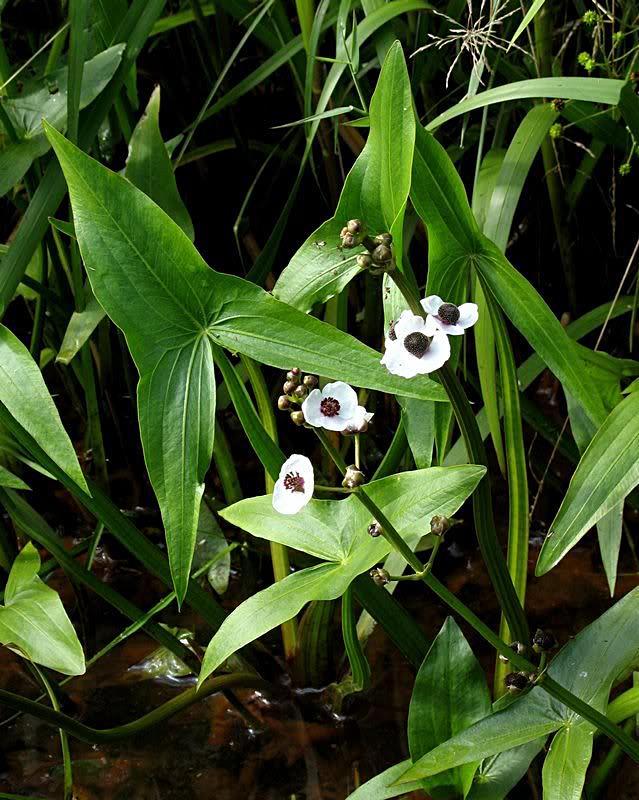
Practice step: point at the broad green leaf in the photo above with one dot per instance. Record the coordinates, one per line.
(335, 531)
(47, 99)
(33, 621)
(375, 191)
(629, 107)
(530, 314)
(79, 330)
(587, 667)
(565, 766)
(499, 774)
(149, 167)
(155, 286)
(383, 786)
(11, 481)
(25, 395)
(606, 473)
(449, 695)
(594, 90)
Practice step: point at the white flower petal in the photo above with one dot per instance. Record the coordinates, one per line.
(311, 409)
(431, 304)
(399, 361)
(431, 325)
(468, 315)
(288, 500)
(436, 356)
(450, 330)
(407, 323)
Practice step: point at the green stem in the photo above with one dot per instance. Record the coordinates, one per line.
(64, 741)
(167, 710)
(95, 541)
(226, 471)
(519, 663)
(279, 553)
(482, 500)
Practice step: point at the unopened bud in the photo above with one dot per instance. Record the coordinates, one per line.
(300, 392)
(364, 261)
(382, 254)
(353, 477)
(439, 525)
(354, 226)
(543, 641)
(516, 681)
(289, 387)
(374, 530)
(298, 417)
(293, 376)
(384, 238)
(380, 576)
(283, 403)
(348, 241)
(311, 381)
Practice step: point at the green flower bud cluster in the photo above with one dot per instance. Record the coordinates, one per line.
(556, 130)
(295, 390)
(591, 18)
(586, 61)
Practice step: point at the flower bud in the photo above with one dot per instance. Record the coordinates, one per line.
(384, 238)
(439, 525)
(300, 392)
(298, 417)
(364, 261)
(374, 530)
(283, 403)
(543, 641)
(348, 241)
(293, 376)
(311, 381)
(380, 576)
(516, 681)
(382, 254)
(353, 477)
(289, 387)
(354, 226)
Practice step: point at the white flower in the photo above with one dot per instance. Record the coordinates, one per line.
(333, 408)
(414, 346)
(359, 422)
(294, 488)
(448, 317)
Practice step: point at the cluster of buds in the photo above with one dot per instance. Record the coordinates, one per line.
(380, 576)
(296, 389)
(586, 61)
(379, 258)
(591, 18)
(556, 130)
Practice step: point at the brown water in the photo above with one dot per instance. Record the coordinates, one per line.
(303, 750)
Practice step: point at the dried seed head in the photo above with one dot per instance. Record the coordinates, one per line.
(353, 477)
(417, 344)
(297, 417)
(516, 681)
(382, 254)
(374, 530)
(543, 641)
(364, 261)
(448, 313)
(311, 381)
(283, 403)
(380, 576)
(354, 226)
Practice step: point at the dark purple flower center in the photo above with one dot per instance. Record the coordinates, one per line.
(294, 482)
(417, 344)
(391, 331)
(330, 407)
(448, 313)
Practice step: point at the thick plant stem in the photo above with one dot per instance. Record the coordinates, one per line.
(482, 500)
(518, 662)
(99, 736)
(64, 741)
(279, 553)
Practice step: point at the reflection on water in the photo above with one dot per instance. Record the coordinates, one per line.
(303, 751)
